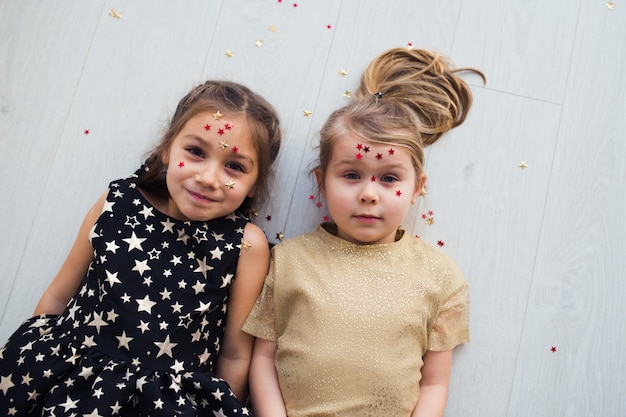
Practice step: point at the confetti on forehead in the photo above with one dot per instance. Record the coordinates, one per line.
(217, 115)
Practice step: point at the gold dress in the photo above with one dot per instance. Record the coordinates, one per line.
(352, 321)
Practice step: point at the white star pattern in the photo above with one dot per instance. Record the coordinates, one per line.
(145, 283)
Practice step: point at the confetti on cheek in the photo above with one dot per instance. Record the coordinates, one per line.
(398, 193)
(359, 146)
(230, 185)
(441, 243)
(207, 127)
(181, 164)
(359, 156)
(220, 132)
(379, 156)
(366, 149)
(228, 126)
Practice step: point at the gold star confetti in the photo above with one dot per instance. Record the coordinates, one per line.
(229, 54)
(280, 236)
(429, 221)
(230, 185)
(347, 94)
(610, 5)
(343, 72)
(424, 190)
(245, 245)
(254, 212)
(259, 43)
(223, 145)
(522, 165)
(114, 14)
(272, 28)
(307, 113)
(217, 115)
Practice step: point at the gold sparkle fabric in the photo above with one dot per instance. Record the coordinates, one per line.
(352, 322)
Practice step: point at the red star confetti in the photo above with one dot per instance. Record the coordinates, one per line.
(228, 126)
(553, 349)
(295, 5)
(220, 132)
(235, 149)
(207, 127)
(430, 213)
(326, 218)
(359, 146)
(268, 218)
(181, 164)
(441, 243)
(359, 156)
(409, 45)
(373, 178)
(391, 151)
(428, 218)
(398, 193)
(328, 26)
(280, 1)
(379, 156)
(311, 197)
(366, 149)
(318, 204)
(86, 131)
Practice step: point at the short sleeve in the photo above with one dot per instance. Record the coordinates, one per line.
(261, 320)
(451, 327)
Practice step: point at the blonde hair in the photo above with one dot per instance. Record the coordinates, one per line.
(408, 98)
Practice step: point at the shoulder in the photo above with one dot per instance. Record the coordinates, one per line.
(435, 260)
(310, 241)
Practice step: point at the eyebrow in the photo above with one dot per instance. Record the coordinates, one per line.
(380, 164)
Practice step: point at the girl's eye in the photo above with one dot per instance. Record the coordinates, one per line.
(235, 166)
(351, 176)
(195, 151)
(388, 178)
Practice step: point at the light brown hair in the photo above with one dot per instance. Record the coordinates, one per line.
(408, 98)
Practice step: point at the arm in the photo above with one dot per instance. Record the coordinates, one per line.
(233, 361)
(66, 282)
(267, 400)
(434, 384)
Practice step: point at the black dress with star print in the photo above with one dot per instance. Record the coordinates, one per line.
(141, 335)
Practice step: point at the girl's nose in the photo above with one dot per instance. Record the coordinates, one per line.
(368, 194)
(208, 176)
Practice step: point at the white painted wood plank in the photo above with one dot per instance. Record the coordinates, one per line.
(487, 211)
(524, 46)
(41, 62)
(578, 287)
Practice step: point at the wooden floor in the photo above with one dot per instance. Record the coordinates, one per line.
(83, 95)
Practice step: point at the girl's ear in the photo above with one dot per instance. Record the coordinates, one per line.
(320, 181)
(419, 186)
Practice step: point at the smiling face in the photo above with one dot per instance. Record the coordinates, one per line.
(212, 166)
(369, 188)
